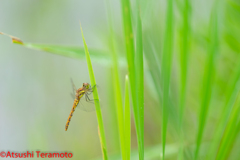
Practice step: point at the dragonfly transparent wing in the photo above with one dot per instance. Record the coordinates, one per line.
(87, 104)
(73, 89)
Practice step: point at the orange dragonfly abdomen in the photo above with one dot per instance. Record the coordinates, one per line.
(76, 101)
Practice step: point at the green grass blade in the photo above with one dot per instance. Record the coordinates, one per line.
(129, 43)
(96, 100)
(120, 117)
(184, 69)
(207, 80)
(75, 52)
(140, 79)
(231, 131)
(184, 58)
(231, 38)
(166, 70)
(152, 64)
(114, 134)
(231, 95)
(128, 34)
(127, 121)
(232, 141)
(117, 86)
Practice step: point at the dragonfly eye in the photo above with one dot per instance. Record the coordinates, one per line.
(86, 85)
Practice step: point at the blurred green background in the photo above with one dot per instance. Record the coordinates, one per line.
(35, 86)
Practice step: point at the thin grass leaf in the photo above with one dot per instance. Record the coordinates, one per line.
(96, 100)
(207, 80)
(184, 69)
(152, 64)
(128, 34)
(114, 139)
(117, 85)
(129, 43)
(232, 141)
(231, 93)
(166, 71)
(231, 96)
(120, 117)
(76, 52)
(127, 121)
(140, 78)
(231, 131)
(184, 59)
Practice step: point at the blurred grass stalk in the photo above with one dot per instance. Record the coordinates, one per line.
(219, 148)
(140, 80)
(116, 82)
(136, 78)
(208, 76)
(127, 121)
(184, 49)
(231, 131)
(96, 100)
(166, 71)
(231, 94)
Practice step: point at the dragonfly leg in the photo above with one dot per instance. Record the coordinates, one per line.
(88, 93)
(92, 89)
(89, 100)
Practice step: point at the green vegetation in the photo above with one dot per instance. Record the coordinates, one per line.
(182, 80)
(96, 101)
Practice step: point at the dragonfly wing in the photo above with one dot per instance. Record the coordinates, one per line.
(73, 90)
(73, 86)
(72, 95)
(87, 104)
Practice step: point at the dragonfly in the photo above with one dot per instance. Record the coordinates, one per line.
(86, 90)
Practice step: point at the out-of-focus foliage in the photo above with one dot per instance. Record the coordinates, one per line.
(191, 77)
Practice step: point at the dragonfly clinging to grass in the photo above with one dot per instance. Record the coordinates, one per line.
(86, 90)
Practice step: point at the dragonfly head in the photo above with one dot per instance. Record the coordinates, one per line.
(86, 85)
